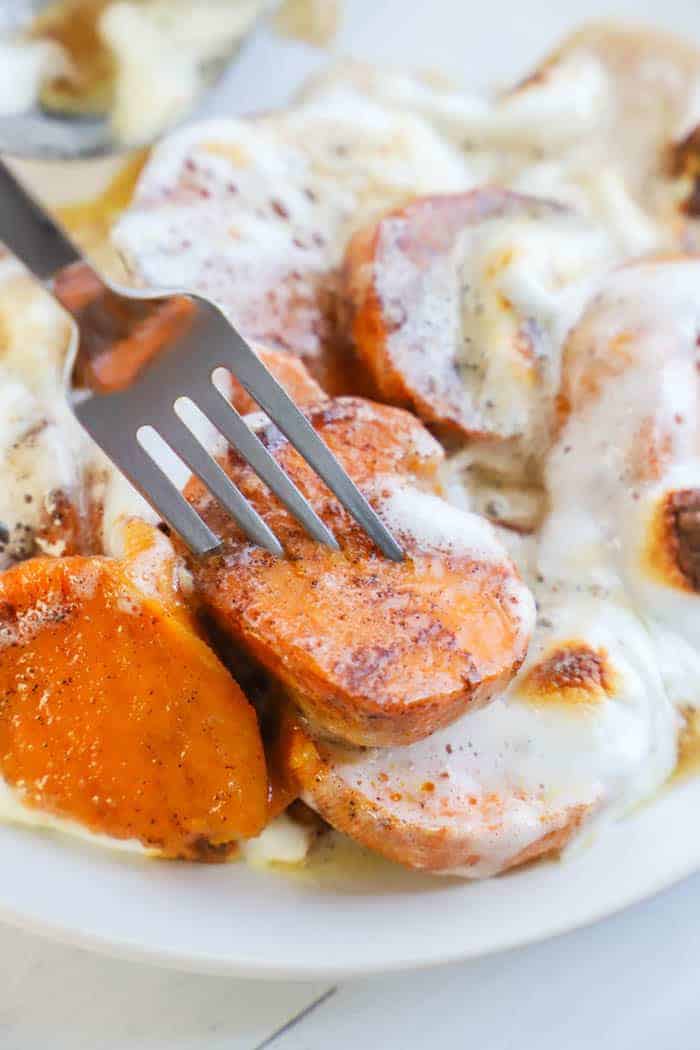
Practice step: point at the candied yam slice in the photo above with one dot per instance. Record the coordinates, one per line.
(288, 749)
(372, 651)
(438, 334)
(118, 716)
(411, 819)
(585, 728)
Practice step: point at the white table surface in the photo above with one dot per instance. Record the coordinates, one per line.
(629, 983)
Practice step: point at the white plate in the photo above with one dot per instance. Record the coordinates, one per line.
(233, 920)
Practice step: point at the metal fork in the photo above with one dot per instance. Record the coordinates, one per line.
(185, 368)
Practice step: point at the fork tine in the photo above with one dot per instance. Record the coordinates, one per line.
(277, 404)
(183, 442)
(145, 474)
(228, 421)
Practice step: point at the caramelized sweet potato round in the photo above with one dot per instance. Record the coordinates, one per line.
(410, 308)
(516, 779)
(373, 651)
(116, 715)
(409, 821)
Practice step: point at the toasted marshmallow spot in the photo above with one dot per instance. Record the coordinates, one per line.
(572, 673)
(672, 556)
(517, 779)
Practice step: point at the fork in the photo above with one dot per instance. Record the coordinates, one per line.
(184, 368)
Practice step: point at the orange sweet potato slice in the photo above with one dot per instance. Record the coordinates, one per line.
(372, 651)
(402, 812)
(116, 714)
(404, 299)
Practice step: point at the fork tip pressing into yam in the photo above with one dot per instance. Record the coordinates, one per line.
(372, 651)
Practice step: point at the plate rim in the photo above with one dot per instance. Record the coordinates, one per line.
(647, 885)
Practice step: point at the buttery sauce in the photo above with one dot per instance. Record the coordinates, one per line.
(335, 862)
(90, 222)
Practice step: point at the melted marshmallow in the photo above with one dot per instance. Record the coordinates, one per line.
(272, 204)
(632, 438)
(501, 778)
(586, 129)
(42, 449)
(631, 442)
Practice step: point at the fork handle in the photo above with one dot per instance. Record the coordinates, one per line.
(29, 232)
